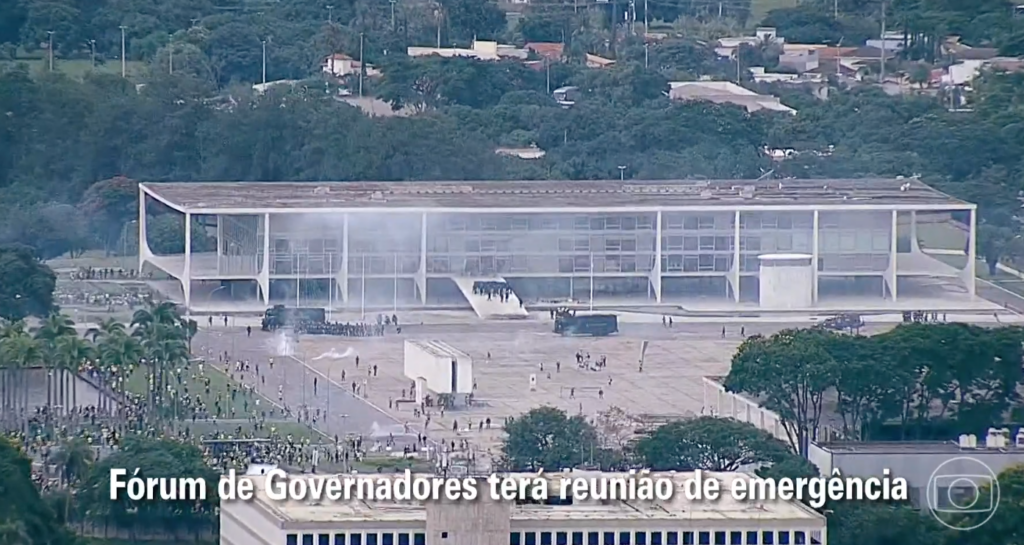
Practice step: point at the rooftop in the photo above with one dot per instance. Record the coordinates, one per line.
(545, 196)
(725, 508)
(915, 447)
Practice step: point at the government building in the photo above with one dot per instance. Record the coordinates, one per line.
(725, 242)
(677, 521)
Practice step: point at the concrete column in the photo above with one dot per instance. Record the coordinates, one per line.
(894, 254)
(736, 259)
(421, 274)
(220, 239)
(914, 248)
(815, 257)
(656, 269)
(144, 252)
(342, 277)
(970, 272)
(263, 278)
(186, 276)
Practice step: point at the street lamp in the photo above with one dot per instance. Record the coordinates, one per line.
(92, 51)
(49, 47)
(124, 63)
(264, 42)
(622, 172)
(330, 14)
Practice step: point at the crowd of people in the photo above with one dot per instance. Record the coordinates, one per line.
(346, 329)
(90, 273)
(107, 301)
(493, 289)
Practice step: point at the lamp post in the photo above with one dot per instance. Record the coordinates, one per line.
(124, 62)
(264, 42)
(92, 52)
(49, 47)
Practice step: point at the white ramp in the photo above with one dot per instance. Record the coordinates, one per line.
(494, 308)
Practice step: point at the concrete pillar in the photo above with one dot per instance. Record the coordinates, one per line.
(144, 253)
(186, 275)
(970, 272)
(220, 239)
(914, 247)
(421, 273)
(736, 259)
(894, 255)
(263, 278)
(656, 270)
(469, 522)
(815, 257)
(341, 278)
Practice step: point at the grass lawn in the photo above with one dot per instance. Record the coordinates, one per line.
(77, 68)
(279, 428)
(219, 384)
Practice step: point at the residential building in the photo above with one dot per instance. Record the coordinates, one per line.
(799, 61)
(574, 521)
(528, 152)
(644, 239)
(724, 92)
(482, 50)
(552, 51)
(594, 61)
(341, 65)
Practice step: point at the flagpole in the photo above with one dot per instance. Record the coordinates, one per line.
(395, 301)
(362, 289)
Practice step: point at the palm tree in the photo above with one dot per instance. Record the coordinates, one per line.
(165, 336)
(107, 327)
(118, 354)
(21, 352)
(54, 327)
(74, 459)
(70, 354)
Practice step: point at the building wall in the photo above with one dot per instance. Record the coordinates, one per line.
(243, 523)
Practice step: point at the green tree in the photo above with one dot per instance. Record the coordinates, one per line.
(791, 371)
(547, 438)
(25, 519)
(26, 284)
(708, 443)
(109, 205)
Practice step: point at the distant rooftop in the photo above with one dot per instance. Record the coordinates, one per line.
(725, 508)
(539, 196)
(914, 447)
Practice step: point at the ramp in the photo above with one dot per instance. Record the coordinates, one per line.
(493, 308)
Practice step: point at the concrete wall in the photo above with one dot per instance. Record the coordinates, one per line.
(432, 361)
(479, 522)
(85, 394)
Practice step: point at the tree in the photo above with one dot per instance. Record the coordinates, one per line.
(109, 205)
(994, 242)
(166, 235)
(546, 438)
(26, 284)
(708, 443)
(24, 519)
(790, 371)
(859, 523)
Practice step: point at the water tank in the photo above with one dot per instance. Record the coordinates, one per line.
(786, 281)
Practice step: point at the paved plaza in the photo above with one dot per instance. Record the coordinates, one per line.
(669, 385)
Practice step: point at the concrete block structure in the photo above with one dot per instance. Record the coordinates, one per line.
(482, 521)
(423, 243)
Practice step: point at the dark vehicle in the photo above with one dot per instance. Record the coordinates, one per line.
(844, 322)
(567, 323)
(279, 316)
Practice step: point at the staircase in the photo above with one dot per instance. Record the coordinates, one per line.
(492, 309)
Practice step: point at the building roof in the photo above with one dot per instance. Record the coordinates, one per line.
(725, 92)
(914, 447)
(549, 50)
(676, 508)
(549, 196)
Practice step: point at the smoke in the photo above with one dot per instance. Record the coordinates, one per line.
(335, 355)
(395, 430)
(282, 344)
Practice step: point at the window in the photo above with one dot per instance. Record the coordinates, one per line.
(656, 538)
(515, 538)
(371, 539)
(751, 538)
(687, 538)
(582, 244)
(706, 223)
(561, 538)
(577, 538)
(707, 243)
(800, 538)
(581, 223)
(545, 538)
(307, 539)
(419, 539)
(593, 538)
(292, 539)
(640, 538)
(690, 244)
(767, 538)
(355, 539)
(609, 538)
(531, 538)
(672, 538)
(339, 539)
(629, 245)
(624, 538)
(673, 243)
(736, 538)
(690, 223)
(719, 538)
(783, 538)
(613, 223)
(387, 539)
(323, 539)
(703, 538)
(403, 539)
